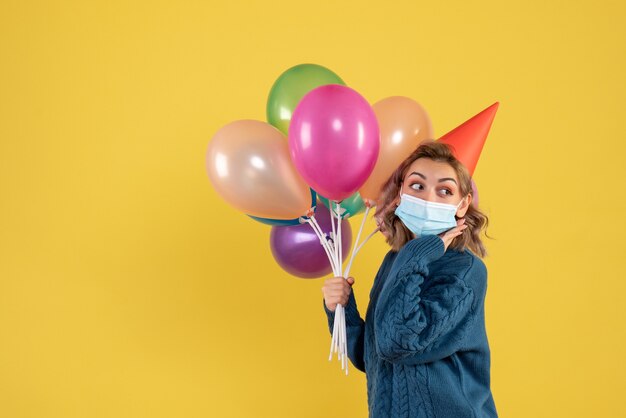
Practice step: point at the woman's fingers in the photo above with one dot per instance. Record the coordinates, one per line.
(339, 282)
(459, 229)
(338, 293)
(338, 286)
(450, 234)
(337, 290)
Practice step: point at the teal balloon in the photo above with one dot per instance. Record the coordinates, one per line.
(350, 206)
(290, 87)
(285, 222)
(276, 222)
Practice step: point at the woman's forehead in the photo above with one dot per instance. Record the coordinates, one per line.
(431, 169)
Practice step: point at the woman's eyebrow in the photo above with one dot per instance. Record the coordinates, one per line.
(447, 178)
(419, 174)
(440, 180)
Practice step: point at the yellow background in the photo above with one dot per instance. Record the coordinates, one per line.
(129, 288)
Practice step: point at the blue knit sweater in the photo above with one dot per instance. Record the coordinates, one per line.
(423, 343)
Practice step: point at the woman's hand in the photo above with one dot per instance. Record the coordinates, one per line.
(337, 290)
(451, 234)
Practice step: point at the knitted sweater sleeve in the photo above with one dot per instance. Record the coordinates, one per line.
(414, 326)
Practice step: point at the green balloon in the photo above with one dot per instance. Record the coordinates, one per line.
(349, 206)
(290, 87)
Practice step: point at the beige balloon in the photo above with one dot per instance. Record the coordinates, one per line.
(403, 125)
(249, 164)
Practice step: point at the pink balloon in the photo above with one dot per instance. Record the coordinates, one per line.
(334, 140)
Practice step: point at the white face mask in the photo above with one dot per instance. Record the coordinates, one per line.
(426, 218)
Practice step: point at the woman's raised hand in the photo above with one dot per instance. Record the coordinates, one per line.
(337, 290)
(451, 234)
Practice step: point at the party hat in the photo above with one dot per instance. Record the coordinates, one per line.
(467, 139)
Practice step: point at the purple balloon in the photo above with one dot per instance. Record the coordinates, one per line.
(334, 140)
(298, 251)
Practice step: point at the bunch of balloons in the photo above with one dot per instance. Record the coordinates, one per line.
(322, 141)
(339, 149)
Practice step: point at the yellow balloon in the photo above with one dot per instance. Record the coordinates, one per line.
(249, 164)
(403, 125)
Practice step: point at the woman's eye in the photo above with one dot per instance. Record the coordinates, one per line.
(446, 192)
(416, 186)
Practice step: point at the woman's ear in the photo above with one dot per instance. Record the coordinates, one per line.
(467, 200)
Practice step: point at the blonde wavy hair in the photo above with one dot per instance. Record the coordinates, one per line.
(398, 234)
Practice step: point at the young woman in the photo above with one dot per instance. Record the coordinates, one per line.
(423, 344)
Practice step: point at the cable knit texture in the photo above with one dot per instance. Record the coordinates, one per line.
(423, 343)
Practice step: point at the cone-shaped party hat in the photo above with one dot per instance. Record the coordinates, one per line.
(467, 139)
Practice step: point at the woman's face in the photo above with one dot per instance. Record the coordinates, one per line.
(434, 181)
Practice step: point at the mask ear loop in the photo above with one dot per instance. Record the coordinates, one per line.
(461, 202)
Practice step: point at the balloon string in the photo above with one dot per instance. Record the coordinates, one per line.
(334, 236)
(342, 322)
(339, 341)
(313, 223)
(345, 342)
(339, 239)
(324, 242)
(342, 333)
(334, 252)
(335, 340)
(334, 337)
(341, 353)
(318, 233)
(354, 252)
(338, 337)
(365, 241)
(327, 245)
(340, 319)
(358, 237)
(342, 316)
